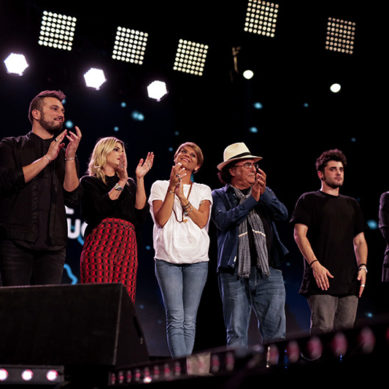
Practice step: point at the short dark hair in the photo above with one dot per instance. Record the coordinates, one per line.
(36, 102)
(330, 155)
(197, 150)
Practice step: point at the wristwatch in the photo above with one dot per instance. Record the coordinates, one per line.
(118, 187)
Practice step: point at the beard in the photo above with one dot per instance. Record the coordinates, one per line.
(52, 127)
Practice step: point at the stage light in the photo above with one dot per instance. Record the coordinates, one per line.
(130, 45)
(3, 375)
(31, 375)
(335, 88)
(253, 130)
(52, 375)
(156, 90)
(272, 355)
(314, 348)
(248, 74)
(339, 345)
(16, 64)
(261, 18)
(94, 78)
(57, 30)
(340, 35)
(27, 375)
(258, 105)
(366, 340)
(293, 351)
(190, 57)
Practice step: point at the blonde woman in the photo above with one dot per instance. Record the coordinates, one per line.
(113, 205)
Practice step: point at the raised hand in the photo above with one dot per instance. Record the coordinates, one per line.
(144, 165)
(56, 145)
(74, 141)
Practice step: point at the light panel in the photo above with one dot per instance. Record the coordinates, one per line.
(340, 35)
(261, 18)
(57, 30)
(130, 45)
(190, 57)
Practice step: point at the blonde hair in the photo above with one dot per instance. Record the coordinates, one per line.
(98, 158)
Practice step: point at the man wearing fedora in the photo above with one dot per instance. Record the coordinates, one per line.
(250, 251)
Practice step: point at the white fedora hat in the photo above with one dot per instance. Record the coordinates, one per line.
(235, 152)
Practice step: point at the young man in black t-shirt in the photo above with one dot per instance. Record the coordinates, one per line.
(328, 230)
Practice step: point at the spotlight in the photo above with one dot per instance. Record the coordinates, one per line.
(261, 18)
(52, 375)
(339, 345)
(27, 375)
(156, 90)
(94, 78)
(293, 351)
(3, 374)
(335, 88)
(340, 35)
(272, 355)
(314, 348)
(57, 31)
(248, 74)
(190, 57)
(130, 45)
(16, 64)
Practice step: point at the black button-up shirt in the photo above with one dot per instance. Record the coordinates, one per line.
(33, 213)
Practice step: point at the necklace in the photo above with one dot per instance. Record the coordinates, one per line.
(183, 212)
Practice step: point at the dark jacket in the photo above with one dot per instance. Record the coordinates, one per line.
(227, 214)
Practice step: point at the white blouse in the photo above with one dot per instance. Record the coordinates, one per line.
(175, 242)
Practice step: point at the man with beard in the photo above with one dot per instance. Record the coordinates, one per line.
(38, 176)
(328, 230)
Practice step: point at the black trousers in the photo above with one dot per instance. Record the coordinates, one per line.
(23, 266)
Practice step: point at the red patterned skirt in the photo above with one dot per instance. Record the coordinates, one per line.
(110, 255)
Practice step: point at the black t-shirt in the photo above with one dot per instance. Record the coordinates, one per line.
(333, 222)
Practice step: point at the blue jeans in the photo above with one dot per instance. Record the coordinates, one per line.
(181, 287)
(266, 296)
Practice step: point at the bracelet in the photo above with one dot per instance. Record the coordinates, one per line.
(45, 156)
(171, 191)
(70, 159)
(362, 267)
(188, 205)
(310, 264)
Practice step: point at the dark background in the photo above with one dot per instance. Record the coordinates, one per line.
(300, 117)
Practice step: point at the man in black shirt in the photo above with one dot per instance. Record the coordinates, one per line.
(328, 230)
(38, 176)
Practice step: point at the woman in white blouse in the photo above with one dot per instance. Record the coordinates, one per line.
(180, 209)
